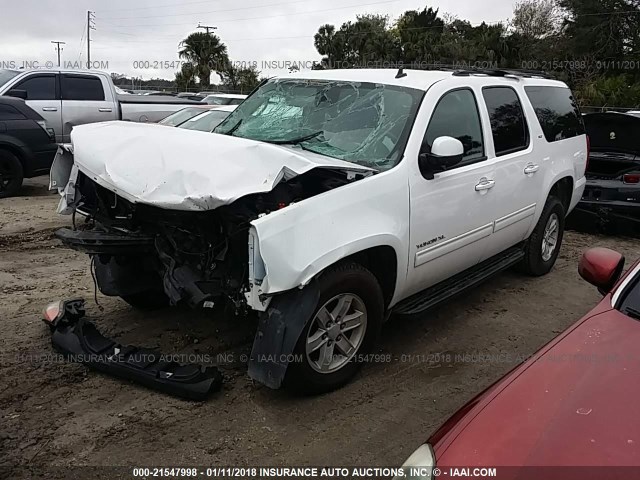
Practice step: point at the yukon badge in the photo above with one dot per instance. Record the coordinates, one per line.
(430, 242)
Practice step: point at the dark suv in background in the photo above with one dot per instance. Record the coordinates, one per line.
(27, 145)
(611, 199)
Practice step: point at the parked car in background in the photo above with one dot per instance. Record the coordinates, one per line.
(329, 199)
(27, 145)
(207, 121)
(611, 199)
(185, 114)
(67, 98)
(162, 94)
(224, 99)
(190, 96)
(572, 404)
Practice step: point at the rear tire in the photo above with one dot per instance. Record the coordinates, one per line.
(339, 321)
(11, 174)
(543, 246)
(150, 300)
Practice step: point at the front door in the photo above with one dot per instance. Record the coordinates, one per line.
(452, 214)
(43, 96)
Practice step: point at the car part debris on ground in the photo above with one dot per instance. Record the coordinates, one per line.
(79, 340)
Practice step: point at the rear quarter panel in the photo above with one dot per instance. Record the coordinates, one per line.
(558, 160)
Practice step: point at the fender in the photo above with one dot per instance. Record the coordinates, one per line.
(298, 242)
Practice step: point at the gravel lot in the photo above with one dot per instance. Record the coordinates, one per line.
(60, 414)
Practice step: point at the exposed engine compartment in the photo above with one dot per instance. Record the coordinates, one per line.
(193, 257)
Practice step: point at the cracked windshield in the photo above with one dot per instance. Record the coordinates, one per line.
(363, 123)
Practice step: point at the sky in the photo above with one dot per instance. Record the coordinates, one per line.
(141, 38)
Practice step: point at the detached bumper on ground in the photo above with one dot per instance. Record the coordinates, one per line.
(79, 340)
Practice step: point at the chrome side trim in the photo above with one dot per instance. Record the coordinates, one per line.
(514, 217)
(628, 279)
(436, 251)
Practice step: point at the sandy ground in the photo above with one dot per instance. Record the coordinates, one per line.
(55, 414)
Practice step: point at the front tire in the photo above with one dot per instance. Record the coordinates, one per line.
(11, 174)
(344, 327)
(543, 246)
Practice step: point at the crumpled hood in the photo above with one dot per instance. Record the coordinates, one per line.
(186, 170)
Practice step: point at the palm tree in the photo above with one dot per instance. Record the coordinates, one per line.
(206, 52)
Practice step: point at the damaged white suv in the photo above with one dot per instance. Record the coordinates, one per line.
(328, 200)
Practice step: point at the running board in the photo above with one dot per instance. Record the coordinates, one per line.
(458, 283)
(80, 341)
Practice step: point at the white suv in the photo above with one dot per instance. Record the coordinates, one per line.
(328, 200)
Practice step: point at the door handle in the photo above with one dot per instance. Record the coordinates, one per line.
(531, 169)
(485, 184)
(106, 110)
(49, 109)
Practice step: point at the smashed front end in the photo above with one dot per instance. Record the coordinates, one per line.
(197, 257)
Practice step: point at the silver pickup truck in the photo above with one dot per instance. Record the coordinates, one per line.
(67, 98)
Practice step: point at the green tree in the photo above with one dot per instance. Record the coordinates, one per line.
(620, 91)
(186, 77)
(366, 42)
(602, 29)
(206, 52)
(239, 80)
(420, 34)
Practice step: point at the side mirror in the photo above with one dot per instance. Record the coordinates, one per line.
(445, 153)
(17, 93)
(601, 267)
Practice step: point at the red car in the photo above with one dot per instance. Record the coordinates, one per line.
(573, 406)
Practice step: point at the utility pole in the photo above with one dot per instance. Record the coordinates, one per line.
(90, 18)
(207, 27)
(59, 49)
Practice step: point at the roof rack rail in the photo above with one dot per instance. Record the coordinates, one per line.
(501, 73)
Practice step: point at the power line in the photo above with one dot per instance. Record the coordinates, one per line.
(81, 42)
(260, 17)
(180, 4)
(210, 11)
(337, 32)
(90, 18)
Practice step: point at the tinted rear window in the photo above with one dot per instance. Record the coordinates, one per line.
(7, 112)
(508, 124)
(81, 88)
(557, 112)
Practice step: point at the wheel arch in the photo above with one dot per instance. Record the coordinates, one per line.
(382, 262)
(562, 188)
(17, 149)
(380, 254)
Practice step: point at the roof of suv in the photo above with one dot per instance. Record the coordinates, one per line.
(418, 79)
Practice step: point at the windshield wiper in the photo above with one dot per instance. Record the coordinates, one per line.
(297, 140)
(632, 312)
(234, 128)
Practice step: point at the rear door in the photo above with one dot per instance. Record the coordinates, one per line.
(43, 95)
(518, 168)
(86, 98)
